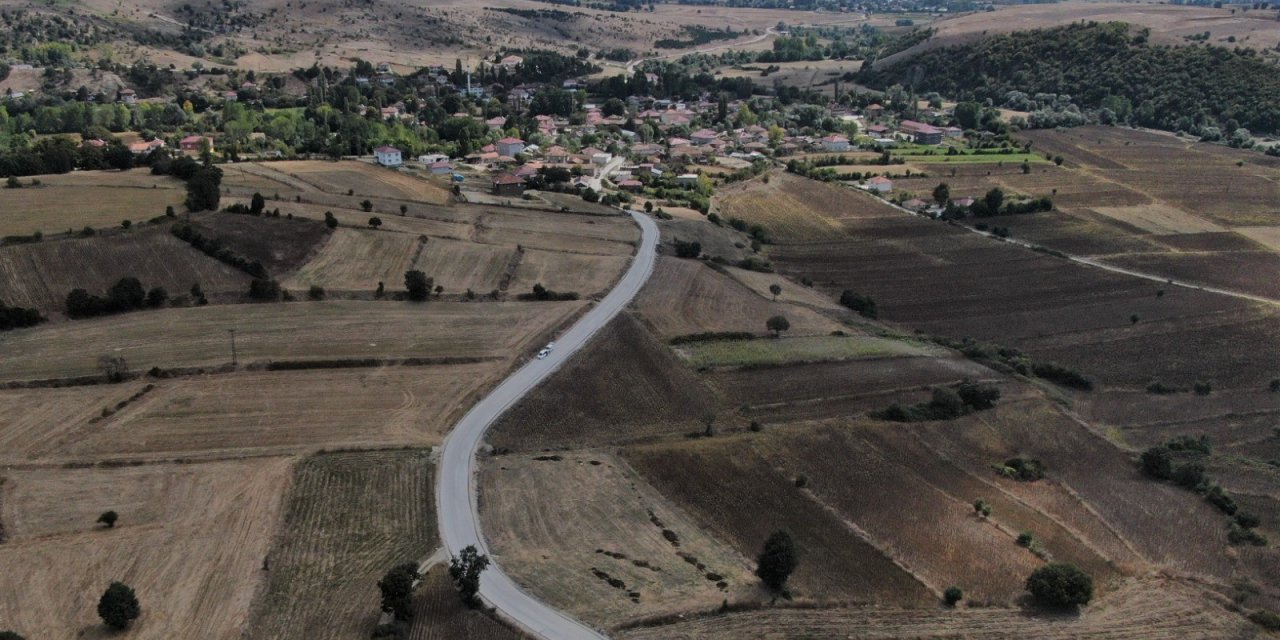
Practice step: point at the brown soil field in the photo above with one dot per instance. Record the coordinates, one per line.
(349, 518)
(357, 260)
(41, 275)
(686, 296)
(99, 199)
(623, 386)
(555, 522)
(1168, 24)
(286, 331)
(1266, 236)
(191, 540)
(1150, 607)
(1255, 272)
(458, 266)
(560, 271)
(281, 245)
(254, 413)
(792, 208)
(36, 422)
(713, 479)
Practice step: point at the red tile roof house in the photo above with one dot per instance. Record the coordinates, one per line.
(880, 184)
(557, 155)
(920, 132)
(631, 185)
(508, 185)
(510, 146)
(192, 143)
(835, 144)
(703, 136)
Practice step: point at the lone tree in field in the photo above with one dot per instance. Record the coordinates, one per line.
(330, 220)
(118, 606)
(397, 590)
(114, 368)
(418, 285)
(1060, 585)
(953, 595)
(465, 569)
(942, 193)
(256, 204)
(404, 209)
(777, 325)
(108, 518)
(375, 222)
(776, 290)
(10, 635)
(366, 205)
(1157, 462)
(981, 508)
(777, 560)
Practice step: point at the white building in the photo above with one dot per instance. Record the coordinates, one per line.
(510, 147)
(880, 184)
(835, 144)
(388, 156)
(432, 158)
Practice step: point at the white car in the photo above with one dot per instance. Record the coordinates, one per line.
(544, 353)
(550, 346)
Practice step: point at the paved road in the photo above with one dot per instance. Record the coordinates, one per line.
(456, 505)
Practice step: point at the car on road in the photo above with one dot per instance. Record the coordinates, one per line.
(550, 346)
(544, 353)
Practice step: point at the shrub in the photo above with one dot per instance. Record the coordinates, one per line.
(1238, 535)
(982, 508)
(1202, 388)
(977, 395)
(952, 596)
(688, 249)
(108, 518)
(1060, 585)
(397, 590)
(265, 290)
(1268, 620)
(1025, 539)
(1157, 462)
(1160, 388)
(1190, 476)
(1188, 444)
(777, 560)
(1247, 520)
(713, 336)
(1025, 469)
(417, 285)
(1275, 385)
(863, 305)
(1219, 498)
(542, 293)
(1062, 375)
(316, 292)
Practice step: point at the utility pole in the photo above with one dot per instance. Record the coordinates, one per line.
(233, 346)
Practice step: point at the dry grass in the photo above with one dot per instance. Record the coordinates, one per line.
(440, 615)
(799, 349)
(92, 198)
(357, 260)
(293, 331)
(1159, 219)
(350, 517)
(42, 274)
(685, 296)
(362, 178)
(190, 541)
(1269, 237)
(37, 422)
(295, 411)
(553, 521)
(458, 266)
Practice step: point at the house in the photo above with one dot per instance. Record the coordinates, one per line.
(384, 67)
(601, 158)
(915, 204)
(510, 146)
(193, 143)
(557, 155)
(388, 156)
(630, 185)
(703, 136)
(495, 123)
(128, 96)
(920, 132)
(880, 184)
(874, 111)
(440, 168)
(963, 203)
(231, 96)
(687, 179)
(432, 158)
(390, 112)
(508, 185)
(139, 148)
(953, 132)
(877, 130)
(511, 62)
(835, 144)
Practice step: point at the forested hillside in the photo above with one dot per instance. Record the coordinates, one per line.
(1104, 65)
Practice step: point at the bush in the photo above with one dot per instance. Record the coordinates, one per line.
(542, 293)
(417, 285)
(1190, 476)
(1219, 498)
(316, 292)
(1247, 520)
(264, 290)
(1060, 585)
(1024, 469)
(713, 336)
(688, 249)
(1157, 462)
(1062, 375)
(977, 395)
(1025, 539)
(108, 518)
(1238, 535)
(952, 596)
(1160, 388)
(1202, 388)
(863, 305)
(1268, 620)
(1188, 444)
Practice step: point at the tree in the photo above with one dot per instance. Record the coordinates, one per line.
(156, 297)
(316, 292)
(203, 189)
(864, 305)
(108, 518)
(1157, 462)
(397, 590)
(10, 635)
(366, 205)
(776, 290)
(118, 606)
(777, 560)
(1060, 585)
(465, 569)
(375, 222)
(691, 249)
(981, 508)
(777, 324)
(114, 368)
(264, 289)
(418, 285)
(257, 204)
(952, 595)
(330, 221)
(942, 193)
(967, 114)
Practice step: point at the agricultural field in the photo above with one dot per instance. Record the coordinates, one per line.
(191, 541)
(329, 330)
(357, 260)
(98, 199)
(687, 296)
(803, 74)
(349, 517)
(559, 271)
(566, 525)
(41, 274)
(738, 353)
(458, 266)
(358, 178)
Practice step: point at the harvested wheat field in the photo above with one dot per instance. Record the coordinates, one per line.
(458, 266)
(253, 413)
(41, 275)
(349, 518)
(440, 615)
(37, 422)
(587, 275)
(354, 260)
(566, 525)
(793, 208)
(98, 199)
(191, 540)
(687, 296)
(274, 332)
(362, 178)
(1150, 607)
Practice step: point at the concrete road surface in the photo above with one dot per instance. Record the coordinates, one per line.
(456, 504)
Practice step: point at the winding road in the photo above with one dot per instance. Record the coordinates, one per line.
(457, 506)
